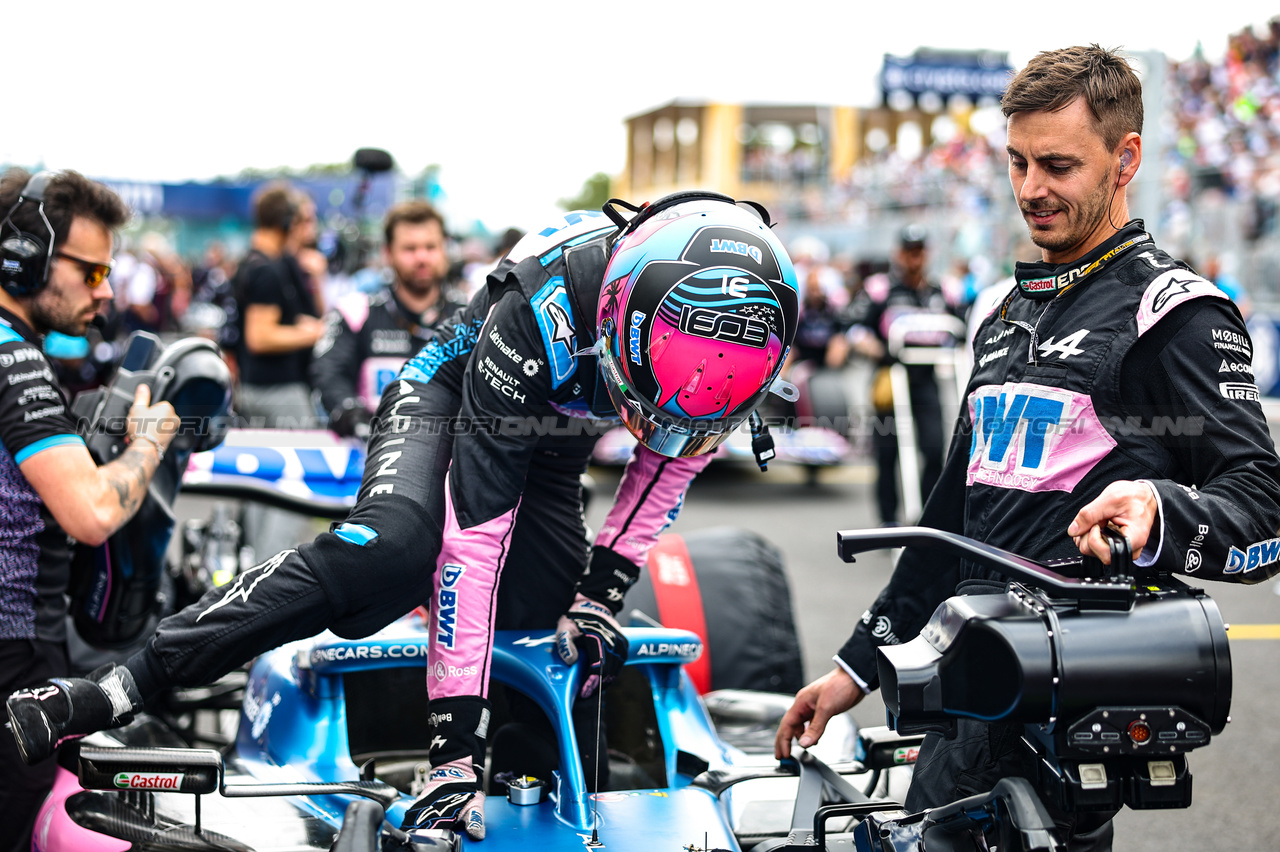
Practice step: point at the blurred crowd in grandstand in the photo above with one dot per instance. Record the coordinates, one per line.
(1219, 174)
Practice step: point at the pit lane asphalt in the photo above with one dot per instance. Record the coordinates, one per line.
(1236, 778)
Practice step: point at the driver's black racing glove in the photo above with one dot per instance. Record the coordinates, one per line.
(453, 797)
(590, 627)
(351, 420)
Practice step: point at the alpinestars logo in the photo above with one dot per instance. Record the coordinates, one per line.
(562, 324)
(1175, 287)
(443, 812)
(248, 581)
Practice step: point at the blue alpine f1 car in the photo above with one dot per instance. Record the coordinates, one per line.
(326, 722)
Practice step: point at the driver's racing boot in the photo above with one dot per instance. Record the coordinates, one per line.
(44, 716)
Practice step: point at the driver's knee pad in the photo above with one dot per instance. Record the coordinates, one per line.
(377, 565)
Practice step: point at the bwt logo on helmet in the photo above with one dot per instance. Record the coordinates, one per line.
(148, 780)
(735, 247)
(637, 318)
(717, 325)
(447, 604)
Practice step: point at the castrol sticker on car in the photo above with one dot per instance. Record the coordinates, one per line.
(148, 780)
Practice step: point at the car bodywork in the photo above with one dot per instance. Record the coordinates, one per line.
(329, 709)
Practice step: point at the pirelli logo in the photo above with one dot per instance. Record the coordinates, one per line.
(1239, 390)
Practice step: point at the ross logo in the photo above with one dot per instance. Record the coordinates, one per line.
(717, 325)
(148, 781)
(1193, 561)
(1255, 556)
(1239, 390)
(447, 607)
(883, 630)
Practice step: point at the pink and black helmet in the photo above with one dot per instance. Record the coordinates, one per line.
(696, 316)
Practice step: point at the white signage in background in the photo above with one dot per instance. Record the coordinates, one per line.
(144, 199)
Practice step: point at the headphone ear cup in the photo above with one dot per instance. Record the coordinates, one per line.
(22, 261)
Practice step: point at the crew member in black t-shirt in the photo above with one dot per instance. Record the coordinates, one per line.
(55, 255)
(281, 322)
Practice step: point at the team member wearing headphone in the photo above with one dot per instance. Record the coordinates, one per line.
(55, 255)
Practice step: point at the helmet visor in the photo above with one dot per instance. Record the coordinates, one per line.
(660, 431)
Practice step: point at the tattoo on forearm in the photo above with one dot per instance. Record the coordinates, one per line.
(129, 476)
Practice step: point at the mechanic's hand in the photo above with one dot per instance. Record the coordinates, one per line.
(157, 423)
(829, 695)
(1129, 507)
(452, 799)
(352, 421)
(591, 627)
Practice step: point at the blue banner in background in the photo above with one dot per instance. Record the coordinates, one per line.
(1264, 328)
(217, 200)
(974, 74)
